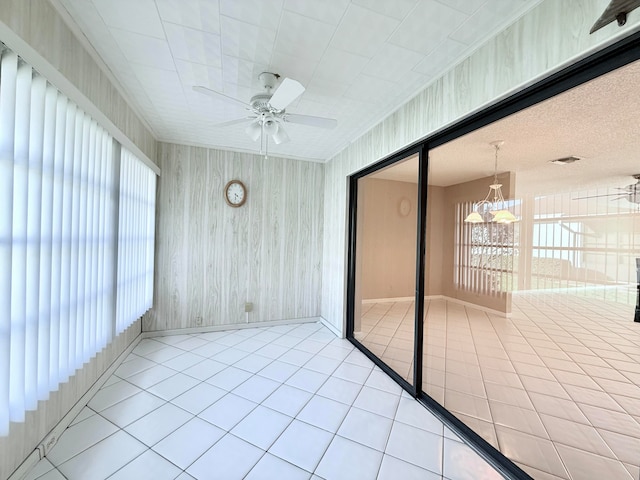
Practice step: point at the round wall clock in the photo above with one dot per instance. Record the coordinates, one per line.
(235, 193)
(404, 207)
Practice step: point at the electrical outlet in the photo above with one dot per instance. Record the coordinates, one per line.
(248, 307)
(48, 444)
(198, 321)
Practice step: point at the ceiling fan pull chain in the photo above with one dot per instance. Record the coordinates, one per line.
(266, 147)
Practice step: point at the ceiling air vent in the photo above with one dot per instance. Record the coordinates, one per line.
(565, 160)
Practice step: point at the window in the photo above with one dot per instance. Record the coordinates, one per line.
(76, 239)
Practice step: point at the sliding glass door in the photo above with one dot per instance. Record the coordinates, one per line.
(385, 254)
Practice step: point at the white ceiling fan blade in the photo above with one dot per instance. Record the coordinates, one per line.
(234, 122)
(222, 96)
(286, 93)
(603, 195)
(311, 120)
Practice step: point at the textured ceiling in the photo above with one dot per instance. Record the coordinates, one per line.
(358, 59)
(597, 121)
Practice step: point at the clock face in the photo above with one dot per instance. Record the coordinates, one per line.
(235, 193)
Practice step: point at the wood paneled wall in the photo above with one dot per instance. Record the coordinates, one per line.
(36, 32)
(552, 35)
(211, 258)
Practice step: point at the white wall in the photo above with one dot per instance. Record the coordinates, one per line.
(552, 35)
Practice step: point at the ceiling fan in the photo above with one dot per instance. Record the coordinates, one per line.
(268, 114)
(630, 193)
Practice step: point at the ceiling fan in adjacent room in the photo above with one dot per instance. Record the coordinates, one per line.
(630, 192)
(268, 114)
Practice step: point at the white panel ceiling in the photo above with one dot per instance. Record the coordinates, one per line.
(358, 60)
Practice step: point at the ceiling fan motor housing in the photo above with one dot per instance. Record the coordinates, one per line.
(260, 102)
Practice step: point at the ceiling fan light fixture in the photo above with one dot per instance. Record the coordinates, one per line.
(280, 136)
(270, 126)
(254, 130)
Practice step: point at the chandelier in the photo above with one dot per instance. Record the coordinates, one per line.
(497, 204)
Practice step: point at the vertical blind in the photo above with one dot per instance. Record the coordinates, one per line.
(484, 254)
(135, 240)
(70, 238)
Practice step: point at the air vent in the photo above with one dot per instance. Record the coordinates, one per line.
(565, 160)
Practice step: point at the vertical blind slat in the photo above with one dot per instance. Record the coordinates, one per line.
(19, 248)
(8, 74)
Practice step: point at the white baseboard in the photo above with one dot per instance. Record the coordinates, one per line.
(331, 327)
(440, 297)
(469, 304)
(26, 466)
(222, 328)
(387, 300)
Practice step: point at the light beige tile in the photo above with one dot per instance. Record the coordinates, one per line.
(501, 364)
(436, 392)
(521, 419)
(538, 474)
(469, 405)
(558, 407)
(530, 450)
(633, 469)
(582, 464)
(630, 405)
(584, 437)
(533, 370)
(527, 358)
(509, 395)
(624, 447)
(605, 372)
(431, 376)
(468, 385)
(509, 379)
(568, 365)
(541, 385)
(589, 396)
(621, 388)
(556, 353)
(485, 429)
(611, 420)
(577, 379)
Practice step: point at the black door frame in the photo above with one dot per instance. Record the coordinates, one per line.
(609, 58)
(420, 150)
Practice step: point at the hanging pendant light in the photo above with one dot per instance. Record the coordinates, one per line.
(501, 215)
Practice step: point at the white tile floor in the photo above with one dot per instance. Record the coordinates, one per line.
(286, 402)
(556, 387)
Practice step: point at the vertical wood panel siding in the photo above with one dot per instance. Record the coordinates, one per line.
(552, 35)
(212, 258)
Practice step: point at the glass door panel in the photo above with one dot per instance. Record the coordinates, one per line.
(385, 264)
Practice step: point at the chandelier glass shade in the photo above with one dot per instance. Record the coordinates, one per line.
(494, 201)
